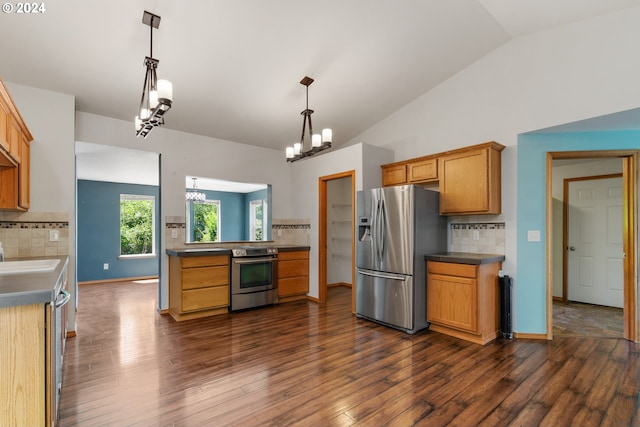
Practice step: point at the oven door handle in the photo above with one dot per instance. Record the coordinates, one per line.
(254, 260)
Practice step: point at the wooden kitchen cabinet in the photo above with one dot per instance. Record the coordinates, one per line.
(423, 171)
(462, 300)
(15, 140)
(293, 275)
(198, 286)
(470, 180)
(394, 174)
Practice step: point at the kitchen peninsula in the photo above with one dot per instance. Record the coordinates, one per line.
(200, 279)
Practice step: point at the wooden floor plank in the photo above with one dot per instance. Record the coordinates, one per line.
(305, 364)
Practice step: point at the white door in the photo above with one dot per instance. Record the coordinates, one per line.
(595, 256)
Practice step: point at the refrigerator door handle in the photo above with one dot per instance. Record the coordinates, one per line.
(383, 225)
(390, 276)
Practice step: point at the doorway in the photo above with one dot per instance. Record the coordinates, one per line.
(336, 266)
(107, 177)
(557, 245)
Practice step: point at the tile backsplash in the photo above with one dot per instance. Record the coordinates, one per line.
(473, 235)
(283, 232)
(27, 234)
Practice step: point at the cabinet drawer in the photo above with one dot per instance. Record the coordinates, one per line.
(453, 269)
(285, 256)
(426, 170)
(201, 299)
(204, 261)
(193, 278)
(293, 268)
(293, 286)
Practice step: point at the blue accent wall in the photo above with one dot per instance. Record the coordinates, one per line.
(530, 302)
(99, 232)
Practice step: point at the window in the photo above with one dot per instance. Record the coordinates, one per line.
(258, 219)
(205, 221)
(137, 225)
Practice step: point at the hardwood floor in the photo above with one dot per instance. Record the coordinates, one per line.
(306, 364)
(587, 320)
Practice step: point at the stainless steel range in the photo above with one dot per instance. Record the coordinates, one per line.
(254, 277)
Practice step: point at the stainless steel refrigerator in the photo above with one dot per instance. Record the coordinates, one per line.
(397, 226)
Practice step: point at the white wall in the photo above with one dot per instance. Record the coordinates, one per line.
(577, 71)
(305, 177)
(50, 118)
(184, 154)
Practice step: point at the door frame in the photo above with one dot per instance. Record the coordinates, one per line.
(565, 225)
(629, 233)
(322, 235)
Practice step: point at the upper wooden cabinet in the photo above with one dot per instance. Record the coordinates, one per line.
(423, 171)
(469, 178)
(15, 168)
(394, 174)
(470, 181)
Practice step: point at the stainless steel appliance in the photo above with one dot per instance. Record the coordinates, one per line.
(57, 315)
(254, 277)
(397, 226)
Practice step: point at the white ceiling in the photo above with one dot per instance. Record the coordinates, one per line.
(235, 64)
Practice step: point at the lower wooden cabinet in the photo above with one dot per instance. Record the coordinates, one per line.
(198, 286)
(293, 275)
(462, 300)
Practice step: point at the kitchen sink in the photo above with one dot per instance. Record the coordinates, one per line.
(28, 266)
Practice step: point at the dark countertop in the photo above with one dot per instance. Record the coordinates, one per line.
(227, 251)
(198, 252)
(465, 258)
(34, 287)
(292, 248)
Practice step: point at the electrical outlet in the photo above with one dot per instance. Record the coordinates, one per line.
(54, 235)
(174, 234)
(476, 234)
(105, 266)
(279, 233)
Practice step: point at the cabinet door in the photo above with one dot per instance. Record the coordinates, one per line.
(394, 175)
(15, 139)
(5, 119)
(423, 171)
(470, 182)
(452, 301)
(24, 175)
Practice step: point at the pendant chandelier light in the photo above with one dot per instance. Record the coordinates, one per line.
(318, 142)
(157, 95)
(194, 195)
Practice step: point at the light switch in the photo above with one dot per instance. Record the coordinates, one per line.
(533, 235)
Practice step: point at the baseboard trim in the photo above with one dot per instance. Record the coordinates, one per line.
(123, 279)
(529, 336)
(314, 299)
(333, 285)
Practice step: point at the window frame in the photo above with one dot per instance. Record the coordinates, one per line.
(130, 197)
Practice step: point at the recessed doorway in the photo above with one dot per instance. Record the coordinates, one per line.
(556, 233)
(336, 233)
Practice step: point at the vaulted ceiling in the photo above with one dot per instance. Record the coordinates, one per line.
(236, 64)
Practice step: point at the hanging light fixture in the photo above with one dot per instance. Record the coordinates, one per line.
(319, 142)
(157, 95)
(194, 195)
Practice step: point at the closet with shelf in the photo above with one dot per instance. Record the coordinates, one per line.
(339, 232)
